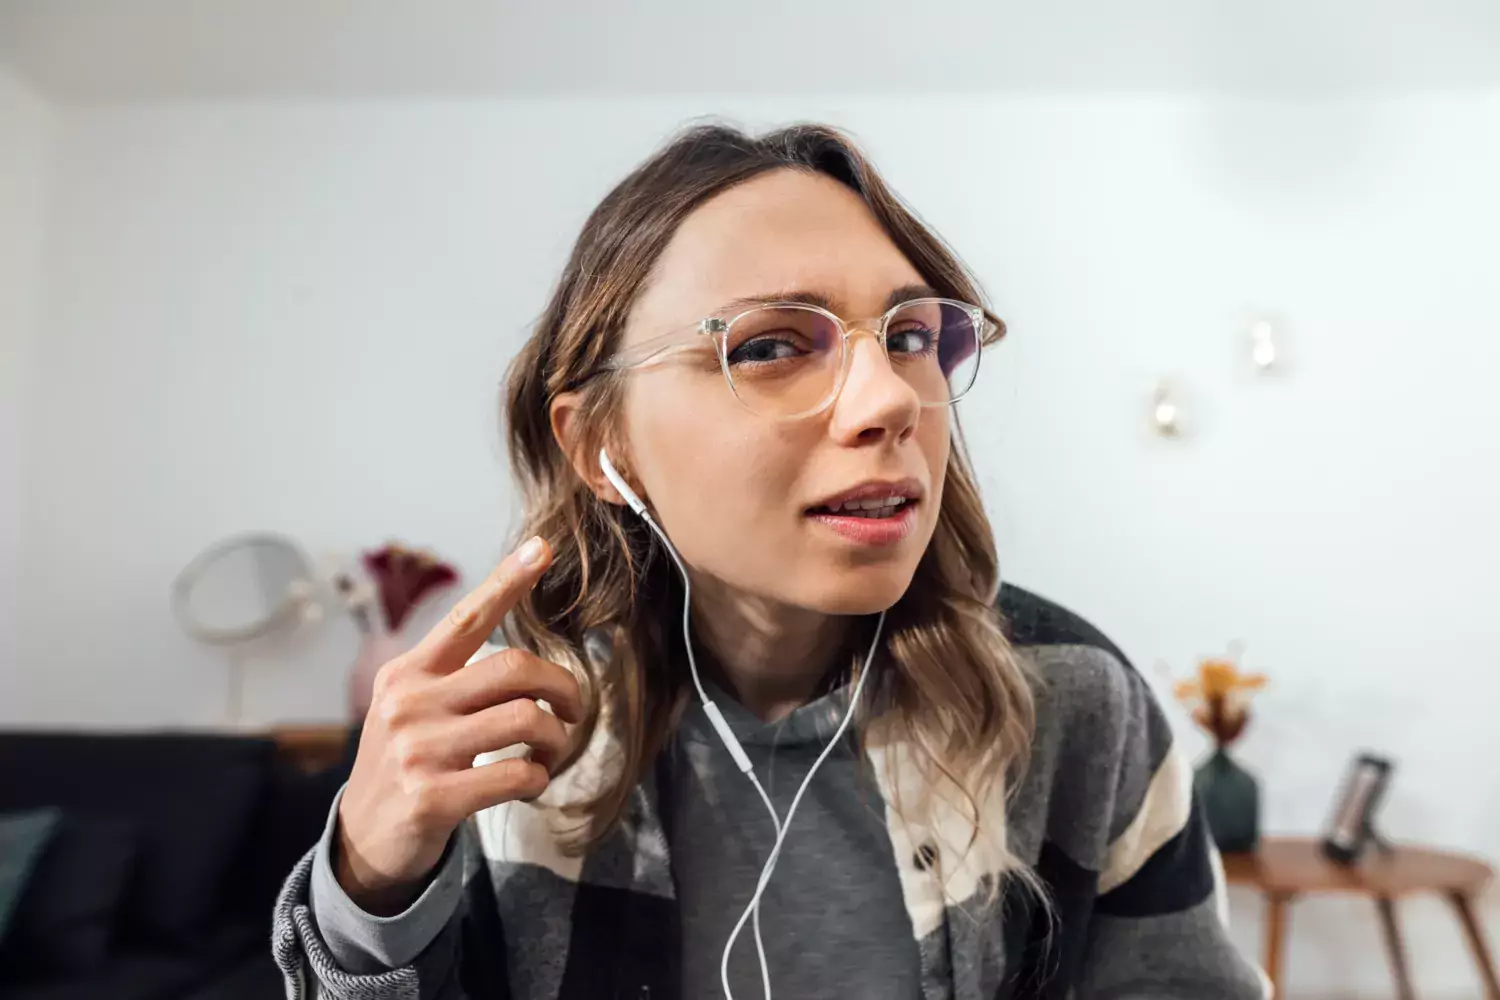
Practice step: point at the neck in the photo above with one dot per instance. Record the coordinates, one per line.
(770, 656)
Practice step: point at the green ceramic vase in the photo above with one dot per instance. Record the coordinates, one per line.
(1230, 799)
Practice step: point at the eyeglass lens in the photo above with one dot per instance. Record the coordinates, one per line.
(786, 360)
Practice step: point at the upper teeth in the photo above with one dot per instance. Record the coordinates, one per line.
(871, 504)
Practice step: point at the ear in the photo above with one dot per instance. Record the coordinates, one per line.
(585, 460)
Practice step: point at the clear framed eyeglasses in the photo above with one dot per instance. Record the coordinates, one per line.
(785, 360)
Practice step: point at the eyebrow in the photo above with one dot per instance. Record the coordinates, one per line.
(810, 297)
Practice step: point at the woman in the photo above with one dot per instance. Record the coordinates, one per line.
(1004, 817)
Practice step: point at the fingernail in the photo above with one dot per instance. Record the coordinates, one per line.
(531, 553)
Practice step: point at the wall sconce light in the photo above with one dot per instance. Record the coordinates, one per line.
(1263, 349)
(1166, 411)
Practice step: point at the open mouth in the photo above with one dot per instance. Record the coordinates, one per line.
(874, 508)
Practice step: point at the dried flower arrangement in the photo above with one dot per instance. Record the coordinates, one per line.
(1219, 697)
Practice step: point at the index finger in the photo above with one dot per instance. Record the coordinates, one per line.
(469, 625)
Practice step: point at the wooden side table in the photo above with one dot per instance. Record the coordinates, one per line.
(1283, 868)
(312, 747)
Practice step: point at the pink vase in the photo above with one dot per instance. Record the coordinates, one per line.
(378, 647)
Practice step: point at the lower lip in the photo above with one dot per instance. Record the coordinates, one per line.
(874, 531)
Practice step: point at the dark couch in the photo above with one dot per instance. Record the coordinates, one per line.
(165, 856)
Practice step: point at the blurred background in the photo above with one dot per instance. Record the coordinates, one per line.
(263, 264)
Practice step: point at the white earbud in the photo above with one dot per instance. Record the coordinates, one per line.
(618, 482)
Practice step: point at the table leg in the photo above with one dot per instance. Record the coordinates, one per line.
(1464, 907)
(1395, 948)
(1276, 909)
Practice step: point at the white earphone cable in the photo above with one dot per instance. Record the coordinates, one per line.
(786, 823)
(731, 742)
(760, 944)
(735, 750)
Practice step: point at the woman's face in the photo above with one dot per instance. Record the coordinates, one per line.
(745, 498)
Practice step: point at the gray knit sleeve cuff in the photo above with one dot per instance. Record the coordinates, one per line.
(364, 944)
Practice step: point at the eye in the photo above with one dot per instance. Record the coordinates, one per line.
(911, 341)
(763, 349)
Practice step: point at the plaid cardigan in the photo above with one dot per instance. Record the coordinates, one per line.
(1105, 818)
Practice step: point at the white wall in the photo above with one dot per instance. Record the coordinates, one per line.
(25, 137)
(296, 317)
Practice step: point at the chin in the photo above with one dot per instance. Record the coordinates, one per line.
(866, 591)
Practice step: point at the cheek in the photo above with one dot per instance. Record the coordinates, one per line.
(720, 502)
(708, 466)
(935, 442)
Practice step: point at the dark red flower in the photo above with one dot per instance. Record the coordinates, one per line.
(405, 578)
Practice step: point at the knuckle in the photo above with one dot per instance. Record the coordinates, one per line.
(523, 778)
(407, 752)
(398, 708)
(463, 617)
(411, 784)
(511, 662)
(387, 677)
(526, 714)
(534, 779)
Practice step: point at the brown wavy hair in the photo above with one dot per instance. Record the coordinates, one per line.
(947, 681)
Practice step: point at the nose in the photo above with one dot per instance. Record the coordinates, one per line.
(875, 404)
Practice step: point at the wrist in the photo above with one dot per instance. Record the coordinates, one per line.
(377, 894)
